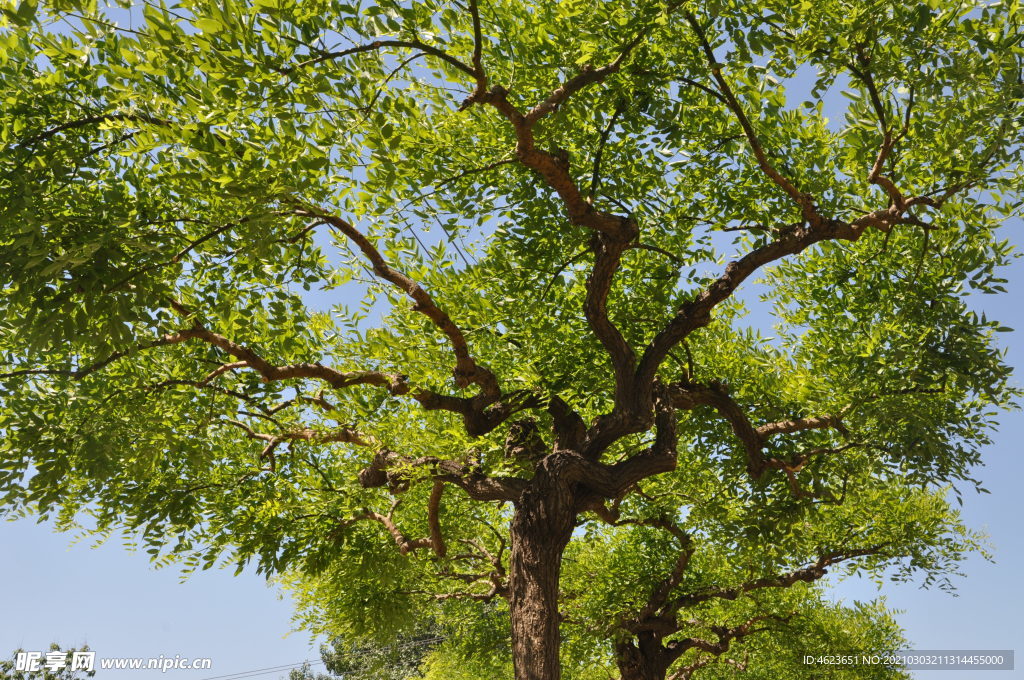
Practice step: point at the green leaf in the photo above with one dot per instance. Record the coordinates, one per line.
(208, 25)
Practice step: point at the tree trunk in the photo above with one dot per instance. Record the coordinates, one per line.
(541, 528)
(645, 659)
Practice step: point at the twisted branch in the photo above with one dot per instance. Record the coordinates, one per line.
(467, 370)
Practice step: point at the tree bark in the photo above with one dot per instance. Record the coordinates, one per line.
(541, 528)
(645, 659)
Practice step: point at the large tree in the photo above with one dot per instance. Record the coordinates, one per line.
(554, 213)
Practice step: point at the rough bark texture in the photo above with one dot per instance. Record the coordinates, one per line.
(541, 528)
(642, 659)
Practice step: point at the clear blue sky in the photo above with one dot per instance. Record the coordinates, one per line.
(114, 601)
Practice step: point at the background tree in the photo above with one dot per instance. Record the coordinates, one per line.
(569, 387)
(397, 659)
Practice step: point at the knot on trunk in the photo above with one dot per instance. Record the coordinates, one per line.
(524, 441)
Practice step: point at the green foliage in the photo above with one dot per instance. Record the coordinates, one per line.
(158, 178)
(400, 659)
(864, 629)
(816, 628)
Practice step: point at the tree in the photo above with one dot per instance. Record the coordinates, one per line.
(559, 414)
(400, 659)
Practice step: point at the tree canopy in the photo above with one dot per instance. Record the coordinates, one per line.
(603, 328)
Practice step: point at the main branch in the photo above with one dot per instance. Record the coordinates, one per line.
(467, 369)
